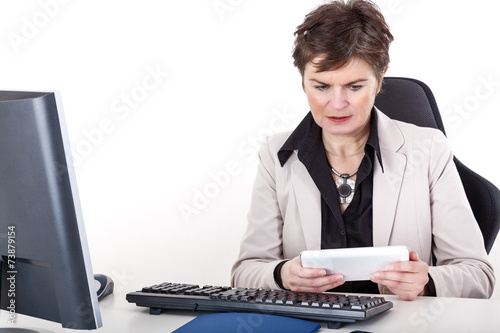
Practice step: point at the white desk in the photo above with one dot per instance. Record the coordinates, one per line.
(425, 314)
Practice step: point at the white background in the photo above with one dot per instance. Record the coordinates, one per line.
(147, 146)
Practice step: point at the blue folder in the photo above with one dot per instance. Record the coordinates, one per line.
(247, 323)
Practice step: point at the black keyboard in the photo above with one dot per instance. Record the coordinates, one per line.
(332, 308)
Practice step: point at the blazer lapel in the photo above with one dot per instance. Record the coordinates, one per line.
(308, 198)
(387, 183)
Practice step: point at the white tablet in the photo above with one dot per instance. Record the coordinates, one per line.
(354, 263)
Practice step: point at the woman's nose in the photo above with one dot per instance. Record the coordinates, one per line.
(338, 99)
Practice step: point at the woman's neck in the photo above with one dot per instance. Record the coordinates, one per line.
(346, 145)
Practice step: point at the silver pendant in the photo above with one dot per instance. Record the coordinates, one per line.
(345, 188)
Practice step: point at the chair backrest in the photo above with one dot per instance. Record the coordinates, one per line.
(412, 101)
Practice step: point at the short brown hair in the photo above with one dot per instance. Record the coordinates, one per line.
(340, 31)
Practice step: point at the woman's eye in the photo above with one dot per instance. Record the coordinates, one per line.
(321, 87)
(355, 87)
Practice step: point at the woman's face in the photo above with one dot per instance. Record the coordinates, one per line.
(341, 100)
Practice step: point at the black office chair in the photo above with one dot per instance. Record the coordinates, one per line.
(412, 101)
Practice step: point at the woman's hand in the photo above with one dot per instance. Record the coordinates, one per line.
(297, 278)
(407, 279)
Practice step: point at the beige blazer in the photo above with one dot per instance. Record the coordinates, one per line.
(418, 201)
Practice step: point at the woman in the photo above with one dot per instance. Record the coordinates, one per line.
(348, 176)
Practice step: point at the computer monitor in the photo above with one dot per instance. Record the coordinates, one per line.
(45, 262)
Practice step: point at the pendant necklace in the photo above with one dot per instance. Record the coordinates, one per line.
(345, 186)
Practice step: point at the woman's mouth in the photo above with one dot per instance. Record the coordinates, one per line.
(339, 120)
